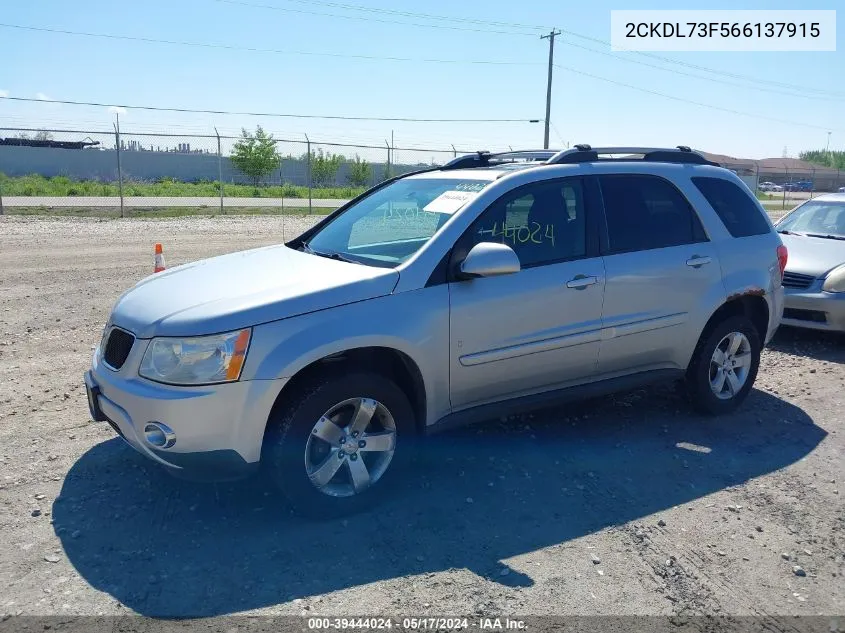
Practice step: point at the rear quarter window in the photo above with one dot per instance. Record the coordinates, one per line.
(737, 210)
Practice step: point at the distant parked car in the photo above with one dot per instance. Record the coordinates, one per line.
(814, 279)
(841, 190)
(769, 186)
(800, 185)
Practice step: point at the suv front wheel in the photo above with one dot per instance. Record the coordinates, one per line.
(340, 444)
(724, 366)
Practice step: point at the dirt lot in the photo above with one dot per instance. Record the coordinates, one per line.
(630, 505)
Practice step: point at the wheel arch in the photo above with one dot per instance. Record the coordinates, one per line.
(389, 362)
(751, 304)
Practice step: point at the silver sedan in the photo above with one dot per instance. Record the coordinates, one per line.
(814, 279)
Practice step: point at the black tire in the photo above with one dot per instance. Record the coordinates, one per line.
(698, 373)
(290, 425)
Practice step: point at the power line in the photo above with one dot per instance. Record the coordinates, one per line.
(513, 25)
(557, 133)
(370, 19)
(706, 69)
(412, 14)
(533, 27)
(151, 40)
(711, 79)
(267, 114)
(690, 101)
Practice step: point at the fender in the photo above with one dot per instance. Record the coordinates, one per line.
(415, 323)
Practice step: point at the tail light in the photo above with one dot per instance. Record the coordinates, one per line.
(783, 255)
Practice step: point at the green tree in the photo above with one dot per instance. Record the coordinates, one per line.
(255, 155)
(360, 172)
(324, 167)
(832, 158)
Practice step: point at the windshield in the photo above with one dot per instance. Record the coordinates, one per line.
(817, 218)
(394, 222)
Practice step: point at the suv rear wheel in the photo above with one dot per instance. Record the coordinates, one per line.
(340, 444)
(724, 366)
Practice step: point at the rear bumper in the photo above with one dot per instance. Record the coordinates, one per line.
(817, 310)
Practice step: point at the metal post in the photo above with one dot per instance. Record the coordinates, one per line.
(812, 183)
(308, 141)
(551, 38)
(219, 167)
(388, 170)
(119, 169)
(454, 152)
(786, 180)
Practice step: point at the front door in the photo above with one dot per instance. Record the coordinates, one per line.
(539, 328)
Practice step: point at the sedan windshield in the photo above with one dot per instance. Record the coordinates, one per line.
(394, 222)
(819, 219)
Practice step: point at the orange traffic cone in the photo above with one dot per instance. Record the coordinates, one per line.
(159, 259)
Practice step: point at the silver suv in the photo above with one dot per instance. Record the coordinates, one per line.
(497, 283)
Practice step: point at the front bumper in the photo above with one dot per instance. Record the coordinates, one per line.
(814, 309)
(219, 429)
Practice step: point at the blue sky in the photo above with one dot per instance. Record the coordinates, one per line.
(585, 109)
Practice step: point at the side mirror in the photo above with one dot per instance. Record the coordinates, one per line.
(489, 259)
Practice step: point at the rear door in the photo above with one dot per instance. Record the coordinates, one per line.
(661, 272)
(538, 328)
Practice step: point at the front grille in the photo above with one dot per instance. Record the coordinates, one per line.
(805, 315)
(117, 349)
(797, 280)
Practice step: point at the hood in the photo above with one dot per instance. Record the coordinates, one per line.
(245, 289)
(813, 255)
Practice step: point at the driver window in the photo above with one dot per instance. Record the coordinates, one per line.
(543, 223)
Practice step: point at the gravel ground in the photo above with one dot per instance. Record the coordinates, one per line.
(629, 505)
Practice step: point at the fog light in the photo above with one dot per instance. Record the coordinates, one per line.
(159, 435)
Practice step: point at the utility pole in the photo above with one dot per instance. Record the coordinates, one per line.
(551, 38)
(119, 168)
(827, 149)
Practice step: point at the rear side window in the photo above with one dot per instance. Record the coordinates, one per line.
(646, 212)
(734, 206)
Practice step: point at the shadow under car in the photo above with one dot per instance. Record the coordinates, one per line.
(169, 548)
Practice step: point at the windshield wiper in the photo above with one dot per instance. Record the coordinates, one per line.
(788, 232)
(335, 256)
(827, 236)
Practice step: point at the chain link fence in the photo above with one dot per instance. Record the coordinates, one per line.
(133, 171)
(786, 185)
(121, 171)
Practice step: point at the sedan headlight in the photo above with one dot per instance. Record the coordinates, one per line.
(835, 280)
(197, 360)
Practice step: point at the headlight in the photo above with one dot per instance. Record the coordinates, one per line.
(197, 360)
(835, 280)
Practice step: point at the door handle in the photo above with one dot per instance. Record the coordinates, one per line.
(579, 282)
(697, 261)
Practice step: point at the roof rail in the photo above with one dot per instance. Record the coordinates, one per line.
(584, 153)
(485, 159)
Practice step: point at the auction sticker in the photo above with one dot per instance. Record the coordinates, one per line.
(450, 201)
